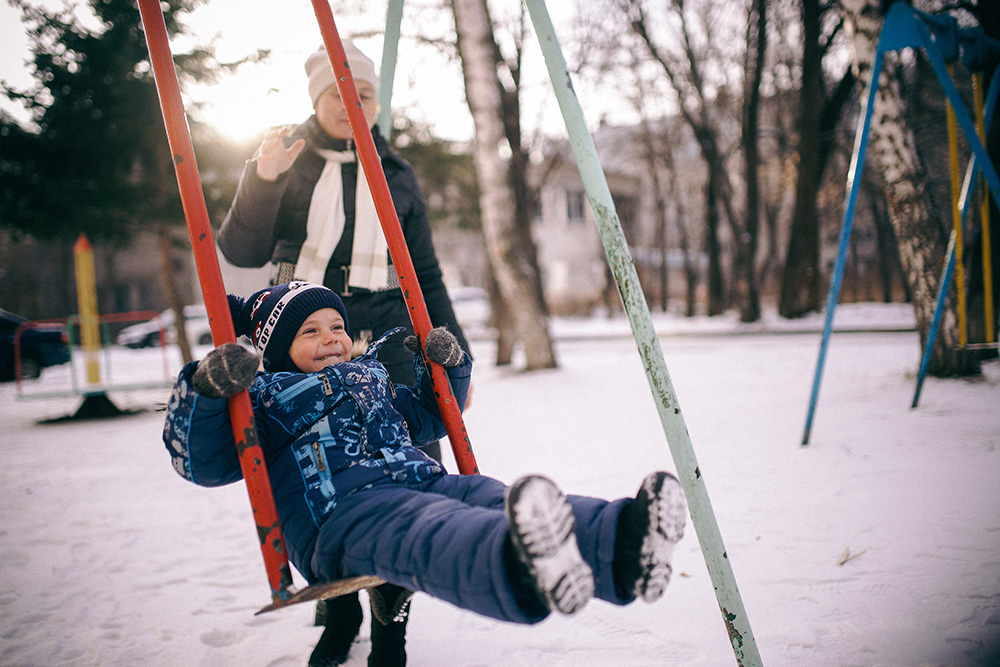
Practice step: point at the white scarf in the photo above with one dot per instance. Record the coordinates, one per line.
(325, 225)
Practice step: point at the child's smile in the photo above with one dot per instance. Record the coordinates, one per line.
(321, 341)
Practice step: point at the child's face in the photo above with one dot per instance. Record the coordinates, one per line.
(321, 341)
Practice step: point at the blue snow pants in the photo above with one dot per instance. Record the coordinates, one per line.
(446, 538)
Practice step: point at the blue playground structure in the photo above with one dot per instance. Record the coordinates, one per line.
(943, 41)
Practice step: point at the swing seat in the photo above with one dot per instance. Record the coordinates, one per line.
(322, 591)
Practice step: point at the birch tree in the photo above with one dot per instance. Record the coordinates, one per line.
(893, 156)
(509, 247)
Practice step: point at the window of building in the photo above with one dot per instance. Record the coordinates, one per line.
(574, 205)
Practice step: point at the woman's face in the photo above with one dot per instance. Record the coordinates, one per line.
(332, 116)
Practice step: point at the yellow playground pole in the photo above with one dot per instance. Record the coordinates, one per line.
(86, 298)
(977, 87)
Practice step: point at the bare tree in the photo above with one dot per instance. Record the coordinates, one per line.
(688, 253)
(650, 155)
(509, 246)
(698, 107)
(748, 297)
(893, 155)
(801, 284)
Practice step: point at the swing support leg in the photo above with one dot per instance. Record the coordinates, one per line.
(702, 517)
(216, 303)
(251, 455)
(973, 171)
(984, 214)
(372, 166)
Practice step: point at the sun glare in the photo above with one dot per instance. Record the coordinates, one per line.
(256, 98)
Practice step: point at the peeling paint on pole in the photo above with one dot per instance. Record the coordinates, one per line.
(699, 505)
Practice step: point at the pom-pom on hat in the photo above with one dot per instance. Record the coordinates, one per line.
(321, 74)
(271, 317)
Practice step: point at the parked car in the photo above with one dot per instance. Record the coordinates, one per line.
(40, 346)
(147, 334)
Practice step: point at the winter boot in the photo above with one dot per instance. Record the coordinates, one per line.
(390, 612)
(342, 619)
(541, 530)
(648, 530)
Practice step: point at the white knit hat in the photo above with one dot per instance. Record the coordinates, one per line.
(321, 74)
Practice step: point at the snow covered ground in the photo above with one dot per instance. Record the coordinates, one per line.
(107, 557)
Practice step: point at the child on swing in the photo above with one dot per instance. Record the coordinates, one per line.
(356, 497)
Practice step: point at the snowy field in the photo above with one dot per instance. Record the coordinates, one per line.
(107, 557)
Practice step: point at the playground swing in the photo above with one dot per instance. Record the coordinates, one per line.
(272, 543)
(196, 214)
(954, 264)
(943, 42)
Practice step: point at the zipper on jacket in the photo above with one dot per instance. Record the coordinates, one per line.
(320, 465)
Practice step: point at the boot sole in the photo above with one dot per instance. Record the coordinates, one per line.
(667, 517)
(541, 529)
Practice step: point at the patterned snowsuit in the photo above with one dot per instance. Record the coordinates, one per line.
(355, 497)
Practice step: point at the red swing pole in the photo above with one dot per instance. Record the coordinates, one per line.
(447, 405)
(251, 455)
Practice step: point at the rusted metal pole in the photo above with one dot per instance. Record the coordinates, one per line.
(251, 455)
(372, 166)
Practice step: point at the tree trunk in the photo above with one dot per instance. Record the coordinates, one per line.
(172, 293)
(165, 180)
(888, 256)
(515, 266)
(663, 269)
(716, 288)
(893, 156)
(801, 280)
(746, 252)
(500, 320)
(800, 283)
(683, 240)
(695, 108)
(651, 155)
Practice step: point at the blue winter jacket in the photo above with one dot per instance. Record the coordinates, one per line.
(324, 435)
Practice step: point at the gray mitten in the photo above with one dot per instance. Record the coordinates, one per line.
(440, 347)
(225, 371)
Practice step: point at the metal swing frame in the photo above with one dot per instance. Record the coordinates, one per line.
(941, 39)
(699, 505)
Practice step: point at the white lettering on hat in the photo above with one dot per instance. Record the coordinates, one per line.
(295, 288)
(256, 304)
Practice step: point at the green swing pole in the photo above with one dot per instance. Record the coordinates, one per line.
(702, 516)
(387, 70)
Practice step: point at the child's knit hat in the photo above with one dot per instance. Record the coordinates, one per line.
(272, 316)
(321, 74)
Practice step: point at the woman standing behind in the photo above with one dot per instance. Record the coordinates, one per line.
(303, 204)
